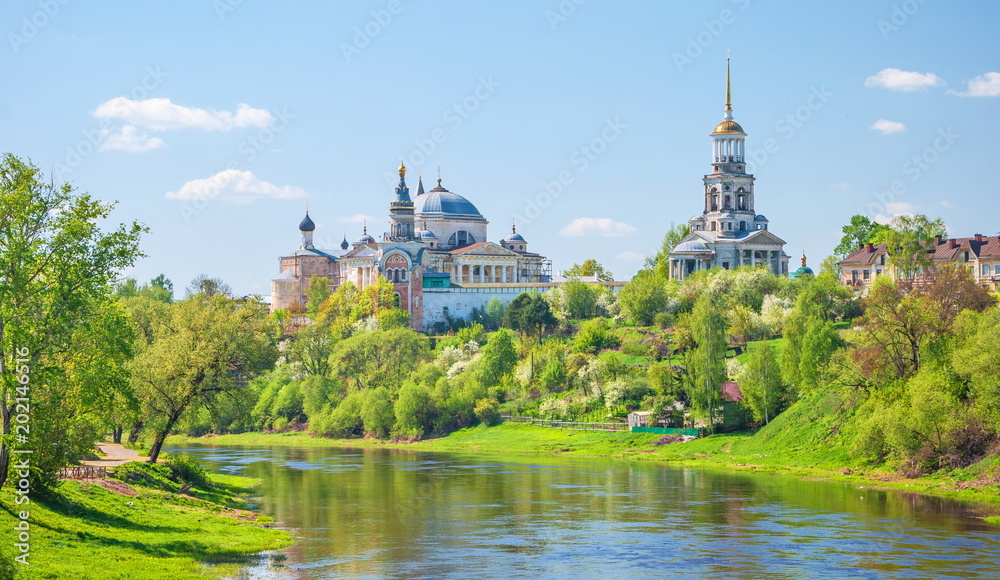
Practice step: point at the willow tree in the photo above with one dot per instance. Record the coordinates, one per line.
(201, 348)
(56, 269)
(706, 363)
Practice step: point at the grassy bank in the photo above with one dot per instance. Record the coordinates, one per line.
(806, 441)
(90, 530)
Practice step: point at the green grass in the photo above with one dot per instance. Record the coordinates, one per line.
(87, 531)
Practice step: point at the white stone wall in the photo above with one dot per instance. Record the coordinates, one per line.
(461, 301)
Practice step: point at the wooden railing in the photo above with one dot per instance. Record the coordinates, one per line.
(573, 425)
(83, 472)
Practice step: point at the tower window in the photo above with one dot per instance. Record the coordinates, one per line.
(713, 226)
(743, 226)
(461, 238)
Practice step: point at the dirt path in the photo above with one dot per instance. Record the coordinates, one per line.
(114, 455)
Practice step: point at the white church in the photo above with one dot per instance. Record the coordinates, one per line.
(729, 233)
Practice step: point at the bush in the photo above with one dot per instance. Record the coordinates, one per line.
(488, 411)
(154, 475)
(187, 470)
(663, 320)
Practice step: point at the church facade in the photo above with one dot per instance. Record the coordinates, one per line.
(729, 233)
(437, 255)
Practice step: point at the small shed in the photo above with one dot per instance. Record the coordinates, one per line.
(732, 415)
(642, 419)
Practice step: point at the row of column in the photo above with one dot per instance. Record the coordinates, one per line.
(723, 149)
(679, 266)
(466, 273)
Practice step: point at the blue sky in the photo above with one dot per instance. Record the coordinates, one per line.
(215, 122)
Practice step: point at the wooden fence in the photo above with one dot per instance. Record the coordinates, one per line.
(573, 425)
(83, 472)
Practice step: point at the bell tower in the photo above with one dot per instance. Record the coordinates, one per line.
(729, 191)
(401, 211)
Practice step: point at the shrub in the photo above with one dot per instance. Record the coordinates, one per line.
(188, 470)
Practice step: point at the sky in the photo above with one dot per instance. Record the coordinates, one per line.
(214, 122)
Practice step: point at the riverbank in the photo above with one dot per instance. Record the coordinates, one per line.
(728, 452)
(107, 529)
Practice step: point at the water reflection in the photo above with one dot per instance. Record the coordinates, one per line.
(399, 514)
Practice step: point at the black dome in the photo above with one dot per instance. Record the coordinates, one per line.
(306, 225)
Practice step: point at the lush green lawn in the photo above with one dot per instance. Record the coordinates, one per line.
(87, 531)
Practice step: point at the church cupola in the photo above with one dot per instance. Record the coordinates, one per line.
(401, 211)
(344, 245)
(307, 227)
(728, 138)
(514, 241)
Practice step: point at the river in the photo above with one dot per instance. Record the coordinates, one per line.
(380, 513)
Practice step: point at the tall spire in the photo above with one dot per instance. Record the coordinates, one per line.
(729, 92)
(420, 184)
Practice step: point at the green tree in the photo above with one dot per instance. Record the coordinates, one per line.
(978, 363)
(818, 345)
(706, 365)
(415, 411)
(204, 346)
(644, 297)
(377, 415)
(382, 358)
(319, 290)
(908, 240)
(499, 358)
(589, 267)
(581, 299)
(56, 267)
(760, 381)
(529, 314)
(660, 263)
(594, 336)
(860, 231)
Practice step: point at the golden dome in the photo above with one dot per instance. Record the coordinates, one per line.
(729, 127)
(402, 169)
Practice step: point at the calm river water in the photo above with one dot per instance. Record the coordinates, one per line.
(398, 514)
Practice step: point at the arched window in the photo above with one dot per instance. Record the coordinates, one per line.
(461, 238)
(713, 226)
(743, 226)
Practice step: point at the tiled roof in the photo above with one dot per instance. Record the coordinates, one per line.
(732, 392)
(942, 251)
(863, 256)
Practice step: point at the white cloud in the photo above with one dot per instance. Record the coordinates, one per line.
(234, 186)
(985, 85)
(630, 256)
(947, 204)
(894, 209)
(843, 186)
(605, 227)
(901, 80)
(357, 218)
(131, 139)
(163, 115)
(887, 127)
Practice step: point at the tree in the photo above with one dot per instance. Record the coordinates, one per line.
(589, 267)
(594, 336)
(859, 232)
(56, 267)
(381, 358)
(818, 345)
(204, 346)
(907, 242)
(644, 297)
(493, 314)
(318, 291)
(760, 381)
(529, 314)
(499, 358)
(581, 299)
(660, 263)
(202, 284)
(706, 365)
